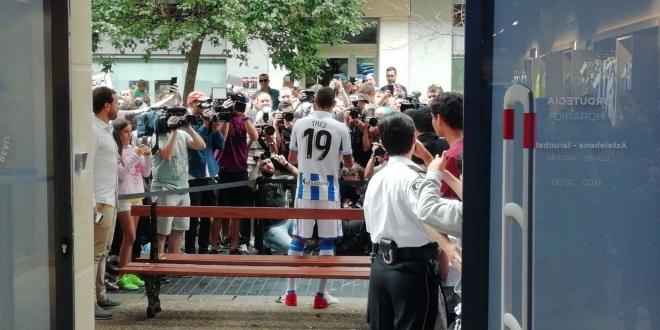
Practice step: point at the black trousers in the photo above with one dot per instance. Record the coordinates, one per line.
(200, 228)
(402, 295)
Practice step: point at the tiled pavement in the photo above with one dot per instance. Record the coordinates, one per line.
(248, 286)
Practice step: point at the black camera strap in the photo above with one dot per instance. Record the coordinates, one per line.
(263, 144)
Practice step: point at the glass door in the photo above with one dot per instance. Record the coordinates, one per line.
(35, 251)
(573, 148)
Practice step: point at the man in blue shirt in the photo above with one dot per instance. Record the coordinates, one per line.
(202, 171)
(264, 86)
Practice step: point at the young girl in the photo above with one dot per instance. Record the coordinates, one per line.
(135, 163)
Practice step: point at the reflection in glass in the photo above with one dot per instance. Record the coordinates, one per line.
(593, 69)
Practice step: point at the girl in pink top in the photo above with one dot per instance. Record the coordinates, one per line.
(134, 165)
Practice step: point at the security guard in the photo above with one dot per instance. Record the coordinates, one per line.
(403, 285)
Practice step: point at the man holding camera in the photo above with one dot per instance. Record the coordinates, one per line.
(170, 171)
(284, 123)
(202, 170)
(234, 165)
(316, 145)
(266, 141)
(272, 234)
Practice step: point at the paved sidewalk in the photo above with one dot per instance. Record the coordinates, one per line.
(244, 286)
(234, 312)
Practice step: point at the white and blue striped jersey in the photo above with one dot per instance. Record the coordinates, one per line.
(320, 141)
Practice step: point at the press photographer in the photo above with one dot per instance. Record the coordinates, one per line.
(202, 169)
(271, 234)
(283, 122)
(236, 127)
(173, 136)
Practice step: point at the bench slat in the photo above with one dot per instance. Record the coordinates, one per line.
(261, 260)
(246, 271)
(248, 212)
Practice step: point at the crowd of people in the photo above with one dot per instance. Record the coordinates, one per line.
(348, 144)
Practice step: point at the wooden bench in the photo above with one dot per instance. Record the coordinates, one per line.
(152, 268)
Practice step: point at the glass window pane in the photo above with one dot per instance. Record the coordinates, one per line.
(592, 67)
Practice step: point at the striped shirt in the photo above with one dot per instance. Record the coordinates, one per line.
(320, 142)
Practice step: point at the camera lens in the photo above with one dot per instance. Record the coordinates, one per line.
(373, 122)
(288, 116)
(355, 114)
(270, 130)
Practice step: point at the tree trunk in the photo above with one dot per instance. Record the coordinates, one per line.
(191, 71)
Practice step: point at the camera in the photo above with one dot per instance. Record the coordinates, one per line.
(309, 95)
(267, 129)
(412, 102)
(162, 116)
(373, 121)
(379, 152)
(355, 113)
(224, 114)
(287, 116)
(265, 155)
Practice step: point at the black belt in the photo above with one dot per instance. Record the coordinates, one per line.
(393, 254)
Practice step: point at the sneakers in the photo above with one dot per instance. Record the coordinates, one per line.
(135, 280)
(320, 302)
(108, 304)
(291, 299)
(330, 299)
(244, 249)
(101, 314)
(126, 283)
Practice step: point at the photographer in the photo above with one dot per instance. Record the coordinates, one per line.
(269, 233)
(202, 169)
(283, 122)
(170, 171)
(306, 105)
(233, 167)
(265, 141)
(359, 132)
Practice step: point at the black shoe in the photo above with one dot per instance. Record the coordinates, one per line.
(235, 252)
(108, 304)
(203, 251)
(101, 314)
(165, 279)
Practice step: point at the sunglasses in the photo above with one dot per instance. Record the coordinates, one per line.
(263, 80)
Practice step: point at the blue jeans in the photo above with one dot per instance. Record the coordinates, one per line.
(278, 238)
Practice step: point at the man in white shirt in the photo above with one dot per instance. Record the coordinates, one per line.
(318, 145)
(106, 157)
(403, 286)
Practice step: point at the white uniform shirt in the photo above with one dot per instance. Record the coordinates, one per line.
(389, 204)
(321, 142)
(106, 158)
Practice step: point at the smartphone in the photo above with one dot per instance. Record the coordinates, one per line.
(98, 217)
(219, 93)
(173, 81)
(390, 88)
(145, 140)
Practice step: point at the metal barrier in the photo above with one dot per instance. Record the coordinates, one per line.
(510, 210)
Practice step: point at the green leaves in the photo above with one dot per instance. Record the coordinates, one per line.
(292, 29)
